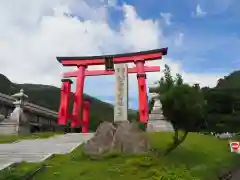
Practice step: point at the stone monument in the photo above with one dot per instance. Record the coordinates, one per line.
(121, 136)
(121, 93)
(16, 123)
(157, 121)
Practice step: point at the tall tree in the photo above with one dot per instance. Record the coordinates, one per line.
(182, 105)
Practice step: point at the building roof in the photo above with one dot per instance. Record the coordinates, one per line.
(29, 106)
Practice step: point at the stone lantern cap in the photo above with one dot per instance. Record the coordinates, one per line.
(20, 98)
(154, 96)
(154, 87)
(20, 95)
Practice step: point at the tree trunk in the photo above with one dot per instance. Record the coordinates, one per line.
(176, 141)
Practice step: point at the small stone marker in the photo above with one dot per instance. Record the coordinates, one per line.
(121, 93)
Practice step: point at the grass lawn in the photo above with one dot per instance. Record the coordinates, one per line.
(200, 157)
(237, 137)
(13, 138)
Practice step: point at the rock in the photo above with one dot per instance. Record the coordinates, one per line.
(101, 142)
(124, 137)
(130, 139)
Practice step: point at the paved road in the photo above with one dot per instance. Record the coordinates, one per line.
(236, 175)
(39, 149)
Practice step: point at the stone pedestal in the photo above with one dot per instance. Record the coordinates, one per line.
(157, 121)
(11, 128)
(2, 117)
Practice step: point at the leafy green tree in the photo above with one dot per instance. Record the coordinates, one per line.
(178, 79)
(222, 109)
(182, 105)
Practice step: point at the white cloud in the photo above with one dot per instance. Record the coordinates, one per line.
(111, 3)
(199, 12)
(167, 18)
(33, 33)
(189, 77)
(216, 6)
(179, 39)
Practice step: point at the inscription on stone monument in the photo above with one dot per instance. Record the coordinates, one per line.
(121, 93)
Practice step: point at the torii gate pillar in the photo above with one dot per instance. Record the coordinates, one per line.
(86, 115)
(142, 92)
(78, 97)
(63, 114)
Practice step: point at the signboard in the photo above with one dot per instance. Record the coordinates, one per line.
(235, 146)
(121, 93)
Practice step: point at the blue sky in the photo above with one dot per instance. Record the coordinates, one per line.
(210, 31)
(203, 38)
(211, 41)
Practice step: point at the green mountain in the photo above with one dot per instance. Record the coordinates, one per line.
(49, 97)
(232, 81)
(223, 103)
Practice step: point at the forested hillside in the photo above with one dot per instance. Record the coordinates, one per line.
(49, 97)
(223, 103)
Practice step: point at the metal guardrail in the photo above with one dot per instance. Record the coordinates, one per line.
(29, 106)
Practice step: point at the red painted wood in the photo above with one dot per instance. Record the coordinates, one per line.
(78, 98)
(86, 116)
(104, 72)
(142, 92)
(64, 103)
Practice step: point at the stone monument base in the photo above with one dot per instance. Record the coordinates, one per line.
(8, 128)
(159, 126)
(125, 137)
(2, 117)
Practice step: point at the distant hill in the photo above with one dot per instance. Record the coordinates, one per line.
(232, 81)
(49, 97)
(223, 104)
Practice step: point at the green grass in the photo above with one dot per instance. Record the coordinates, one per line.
(13, 138)
(237, 137)
(198, 158)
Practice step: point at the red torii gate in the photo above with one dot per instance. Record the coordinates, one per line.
(138, 58)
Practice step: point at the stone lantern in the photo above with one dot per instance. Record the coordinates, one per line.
(17, 116)
(157, 121)
(16, 123)
(21, 97)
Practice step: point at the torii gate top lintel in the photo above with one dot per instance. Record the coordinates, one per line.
(117, 58)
